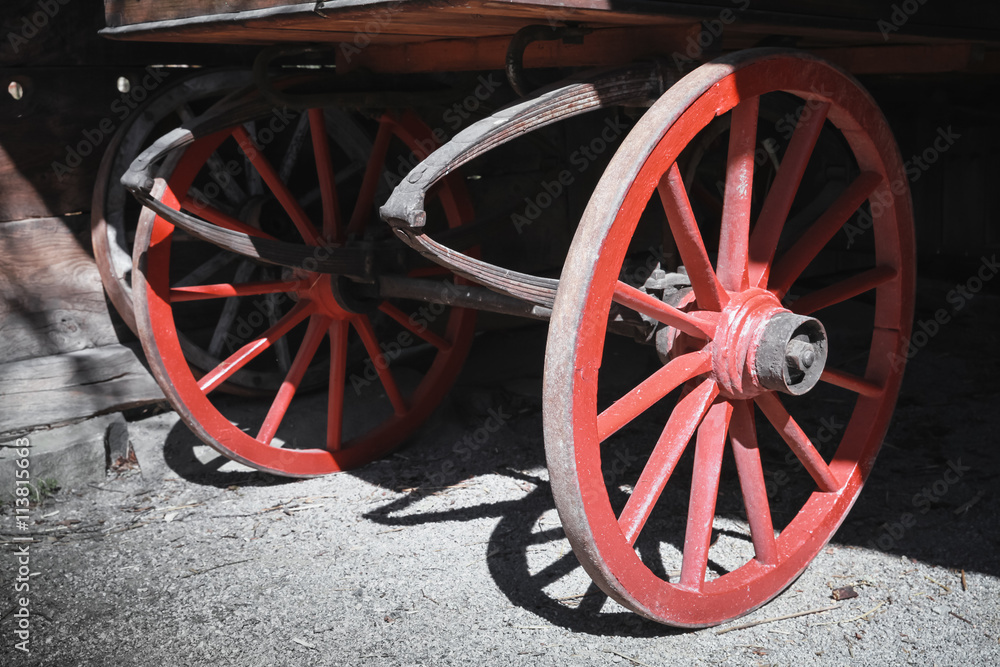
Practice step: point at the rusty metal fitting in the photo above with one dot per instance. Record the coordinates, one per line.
(791, 354)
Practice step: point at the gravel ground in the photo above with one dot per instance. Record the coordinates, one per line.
(432, 557)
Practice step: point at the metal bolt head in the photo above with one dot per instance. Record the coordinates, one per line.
(791, 353)
(800, 355)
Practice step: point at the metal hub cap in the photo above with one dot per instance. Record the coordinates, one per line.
(761, 346)
(792, 353)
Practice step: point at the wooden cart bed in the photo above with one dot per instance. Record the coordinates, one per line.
(429, 35)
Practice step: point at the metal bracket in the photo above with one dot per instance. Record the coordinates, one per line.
(569, 34)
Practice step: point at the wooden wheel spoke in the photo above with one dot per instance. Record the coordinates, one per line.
(208, 268)
(422, 333)
(255, 185)
(230, 307)
(327, 176)
(844, 290)
(281, 346)
(673, 440)
(684, 227)
(743, 435)
(851, 382)
(700, 326)
(216, 166)
(216, 217)
(774, 213)
(734, 234)
(709, 447)
(369, 184)
(651, 390)
(185, 112)
(281, 192)
(221, 176)
(796, 438)
(791, 265)
(222, 290)
(279, 408)
(338, 381)
(364, 329)
(251, 350)
(294, 149)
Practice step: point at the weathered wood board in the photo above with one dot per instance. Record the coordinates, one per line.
(66, 388)
(73, 456)
(51, 297)
(387, 21)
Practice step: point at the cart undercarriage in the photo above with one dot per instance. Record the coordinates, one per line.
(711, 239)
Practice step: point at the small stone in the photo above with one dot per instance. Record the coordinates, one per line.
(845, 593)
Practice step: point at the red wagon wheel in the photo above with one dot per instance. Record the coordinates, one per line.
(369, 408)
(115, 214)
(739, 341)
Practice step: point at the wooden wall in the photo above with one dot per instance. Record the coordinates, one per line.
(62, 360)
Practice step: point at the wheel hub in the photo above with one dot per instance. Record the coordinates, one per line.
(761, 346)
(324, 292)
(338, 297)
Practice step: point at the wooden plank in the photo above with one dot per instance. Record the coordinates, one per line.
(902, 59)
(73, 456)
(602, 47)
(51, 298)
(970, 21)
(66, 388)
(132, 12)
(218, 21)
(124, 12)
(378, 21)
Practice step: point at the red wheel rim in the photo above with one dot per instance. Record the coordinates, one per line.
(315, 304)
(748, 272)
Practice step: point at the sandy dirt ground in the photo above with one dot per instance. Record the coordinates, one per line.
(450, 551)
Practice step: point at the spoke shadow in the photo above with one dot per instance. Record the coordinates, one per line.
(927, 434)
(189, 458)
(943, 423)
(511, 551)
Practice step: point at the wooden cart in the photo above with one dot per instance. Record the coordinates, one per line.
(713, 239)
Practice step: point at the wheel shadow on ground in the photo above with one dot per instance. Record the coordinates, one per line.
(930, 497)
(186, 456)
(519, 533)
(491, 426)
